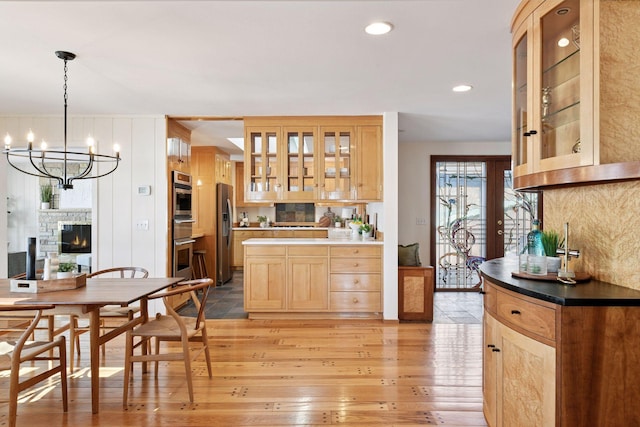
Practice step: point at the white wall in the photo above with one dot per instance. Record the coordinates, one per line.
(415, 185)
(115, 203)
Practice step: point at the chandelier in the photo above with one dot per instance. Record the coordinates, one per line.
(61, 166)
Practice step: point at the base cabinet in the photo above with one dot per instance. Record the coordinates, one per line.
(322, 281)
(518, 369)
(547, 365)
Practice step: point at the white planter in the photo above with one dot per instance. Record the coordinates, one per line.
(44, 205)
(553, 264)
(337, 225)
(64, 274)
(367, 235)
(263, 224)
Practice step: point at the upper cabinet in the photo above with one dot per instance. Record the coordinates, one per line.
(310, 159)
(570, 62)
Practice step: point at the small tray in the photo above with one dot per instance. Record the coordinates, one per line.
(40, 286)
(551, 277)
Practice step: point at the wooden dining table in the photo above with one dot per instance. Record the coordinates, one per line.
(87, 300)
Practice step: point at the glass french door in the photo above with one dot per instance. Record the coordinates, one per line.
(476, 216)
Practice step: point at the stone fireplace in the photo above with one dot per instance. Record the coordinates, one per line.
(49, 235)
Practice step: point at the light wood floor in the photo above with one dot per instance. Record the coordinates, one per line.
(288, 373)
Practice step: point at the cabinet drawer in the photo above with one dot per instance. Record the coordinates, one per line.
(356, 265)
(530, 317)
(353, 251)
(308, 250)
(355, 282)
(355, 301)
(265, 250)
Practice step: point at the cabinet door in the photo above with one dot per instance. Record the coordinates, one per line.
(490, 355)
(238, 188)
(335, 180)
(526, 381)
(300, 166)
(369, 165)
(522, 99)
(564, 85)
(308, 283)
(262, 164)
(265, 283)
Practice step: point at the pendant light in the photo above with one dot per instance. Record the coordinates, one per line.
(61, 166)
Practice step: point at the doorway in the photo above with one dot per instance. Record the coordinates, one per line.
(475, 216)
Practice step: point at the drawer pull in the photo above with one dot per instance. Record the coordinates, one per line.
(496, 350)
(355, 264)
(356, 251)
(355, 300)
(515, 312)
(355, 282)
(491, 346)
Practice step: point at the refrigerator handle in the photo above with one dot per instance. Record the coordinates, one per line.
(230, 212)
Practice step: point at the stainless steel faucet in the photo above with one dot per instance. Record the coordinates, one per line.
(567, 254)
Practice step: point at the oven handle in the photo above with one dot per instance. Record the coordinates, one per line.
(184, 242)
(184, 221)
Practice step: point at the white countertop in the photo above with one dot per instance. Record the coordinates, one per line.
(319, 241)
(280, 228)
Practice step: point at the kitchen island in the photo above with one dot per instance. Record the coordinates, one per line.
(559, 355)
(315, 278)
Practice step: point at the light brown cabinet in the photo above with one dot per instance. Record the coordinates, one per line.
(572, 92)
(265, 276)
(322, 280)
(546, 364)
(356, 279)
(313, 159)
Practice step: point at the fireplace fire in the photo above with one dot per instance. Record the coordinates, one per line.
(74, 237)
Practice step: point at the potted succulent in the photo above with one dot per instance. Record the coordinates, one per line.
(337, 222)
(46, 193)
(263, 221)
(65, 270)
(551, 242)
(366, 230)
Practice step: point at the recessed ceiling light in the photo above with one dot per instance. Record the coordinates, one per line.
(462, 88)
(378, 28)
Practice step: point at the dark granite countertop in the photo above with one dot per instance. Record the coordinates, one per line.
(591, 293)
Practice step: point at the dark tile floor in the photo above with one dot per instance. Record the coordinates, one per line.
(226, 302)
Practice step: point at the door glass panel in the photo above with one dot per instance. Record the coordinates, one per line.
(461, 189)
(560, 93)
(519, 211)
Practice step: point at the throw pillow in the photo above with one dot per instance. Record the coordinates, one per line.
(409, 256)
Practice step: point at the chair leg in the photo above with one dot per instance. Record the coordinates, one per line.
(187, 366)
(207, 355)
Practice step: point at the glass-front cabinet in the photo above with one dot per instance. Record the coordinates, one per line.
(553, 88)
(300, 182)
(262, 176)
(336, 178)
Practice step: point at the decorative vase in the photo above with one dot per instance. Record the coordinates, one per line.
(553, 264)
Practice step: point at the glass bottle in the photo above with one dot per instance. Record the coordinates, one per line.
(534, 239)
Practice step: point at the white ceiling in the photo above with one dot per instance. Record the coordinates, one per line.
(237, 58)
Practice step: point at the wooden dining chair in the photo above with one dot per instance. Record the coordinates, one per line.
(47, 321)
(108, 313)
(172, 328)
(14, 353)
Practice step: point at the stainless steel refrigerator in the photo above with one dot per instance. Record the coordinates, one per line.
(224, 217)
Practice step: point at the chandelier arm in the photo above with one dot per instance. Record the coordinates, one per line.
(101, 175)
(43, 172)
(86, 170)
(44, 169)
(31, 173)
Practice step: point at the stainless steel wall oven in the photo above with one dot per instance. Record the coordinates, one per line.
(182, 226)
